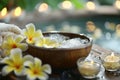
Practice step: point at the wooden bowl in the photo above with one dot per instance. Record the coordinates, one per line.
(61, 58)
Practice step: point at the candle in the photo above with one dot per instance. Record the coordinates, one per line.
(17, 12)
(90, 5)
(88, 69)
(117, 4)
(66, 5)
(3, 13)
(43, 7)
(111, 62)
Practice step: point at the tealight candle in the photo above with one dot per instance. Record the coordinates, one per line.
(117, 4)
(66, 5)
(43, 8)
(111, 62)
(3, 13)
(88, 69)
(90, 5)
(17, 12)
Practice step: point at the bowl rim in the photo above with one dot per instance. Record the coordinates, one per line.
(59, 32)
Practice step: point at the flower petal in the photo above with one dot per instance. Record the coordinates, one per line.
(9, 39)
(28, 71)
(30, 74)
(24, 32)
(16, 55)
(30, 28)
(28, 58)
(5, 45)
(6, 70)
(23, 46)
(29, 64)
(46, 68)
(31, 77)
(37, 62)
(38, 33)
(50, 42)
(39, 44)
(43, 76)
(7, 61)
(19, 71)
(19, 39)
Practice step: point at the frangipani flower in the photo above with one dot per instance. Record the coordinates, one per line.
(12, 42)
(36, 70)
(31, 34)
(15, 62)
(46, 42)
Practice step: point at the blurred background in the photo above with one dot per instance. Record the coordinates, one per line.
(99, 19)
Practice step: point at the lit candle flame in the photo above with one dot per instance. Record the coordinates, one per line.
(117, 4)
(66, 5)
(4, 11)
(17, 11)
(90, 5)
(112, 54)
(43, 7)
(112, 58)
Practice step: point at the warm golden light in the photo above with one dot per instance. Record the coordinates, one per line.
(97, 33)
(66, 5)
(112, 54)
(111, 62)
(17, 11)
(117, 4)
(4, 11)
(90, 5)
(90, 26)
(43, 7)
(117, 32)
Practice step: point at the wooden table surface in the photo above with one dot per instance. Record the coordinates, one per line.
(74, 74)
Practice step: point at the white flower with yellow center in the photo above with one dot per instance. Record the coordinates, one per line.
(15, 62)
(36, 70)
(11, 42)
(31, 34)
(46, 42)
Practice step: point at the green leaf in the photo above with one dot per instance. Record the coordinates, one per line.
(3, 3)
(79, 4)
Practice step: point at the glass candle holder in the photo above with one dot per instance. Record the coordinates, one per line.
(88, 69)
(111, 62)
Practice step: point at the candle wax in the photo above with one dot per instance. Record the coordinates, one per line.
(87, 68)
(112, 58)
(111, 62)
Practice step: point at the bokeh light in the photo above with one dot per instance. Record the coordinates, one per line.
(90, 5)
(43, 7)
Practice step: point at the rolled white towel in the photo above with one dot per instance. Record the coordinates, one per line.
(9, 28)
